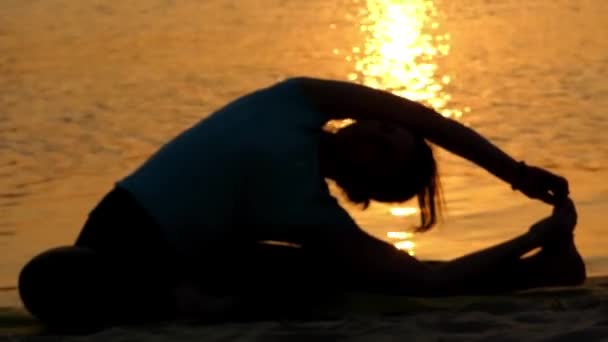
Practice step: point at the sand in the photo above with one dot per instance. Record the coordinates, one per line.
(555, 314)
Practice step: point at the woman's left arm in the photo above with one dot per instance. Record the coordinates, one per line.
(349, 100)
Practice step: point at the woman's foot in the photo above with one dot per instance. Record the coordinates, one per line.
(559, 226)
(561, 263)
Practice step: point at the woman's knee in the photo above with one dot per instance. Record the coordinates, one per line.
(64, 287)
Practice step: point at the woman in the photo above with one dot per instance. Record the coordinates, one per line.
(190, 220)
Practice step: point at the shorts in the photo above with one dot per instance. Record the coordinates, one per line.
(140, 260)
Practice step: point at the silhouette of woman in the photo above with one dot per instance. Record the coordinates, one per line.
(191, 218)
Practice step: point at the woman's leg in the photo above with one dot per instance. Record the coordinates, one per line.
(77, 289)
(140, 268)
(256, 281)
(558, 264)
(119, 271)
(376, 266)
(66, 288)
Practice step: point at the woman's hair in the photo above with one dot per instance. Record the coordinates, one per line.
(370, 167)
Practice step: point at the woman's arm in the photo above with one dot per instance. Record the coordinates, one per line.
(348, 100)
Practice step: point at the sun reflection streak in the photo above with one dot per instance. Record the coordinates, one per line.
(405, 238)
(403, 211)
(399, 235)
(407, 246)
(400, 52)
(402, 46)
(404, 243)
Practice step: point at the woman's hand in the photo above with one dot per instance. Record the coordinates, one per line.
(561, 223)
(541, 184)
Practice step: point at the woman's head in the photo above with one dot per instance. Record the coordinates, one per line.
(381, 161)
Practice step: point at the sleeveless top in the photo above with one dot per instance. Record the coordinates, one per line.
(249, 170)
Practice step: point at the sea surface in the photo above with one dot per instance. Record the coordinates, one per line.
(89, 89)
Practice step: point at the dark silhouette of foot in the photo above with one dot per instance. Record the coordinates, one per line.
(558, 226)
(563, 264)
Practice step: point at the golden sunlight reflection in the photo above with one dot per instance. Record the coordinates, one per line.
(407, 246)
(399, 235)
(404, 242)
(402, 45)
(403, 211)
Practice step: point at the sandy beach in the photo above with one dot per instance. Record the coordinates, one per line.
(555, 314)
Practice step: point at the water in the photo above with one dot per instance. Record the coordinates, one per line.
(88, 90)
